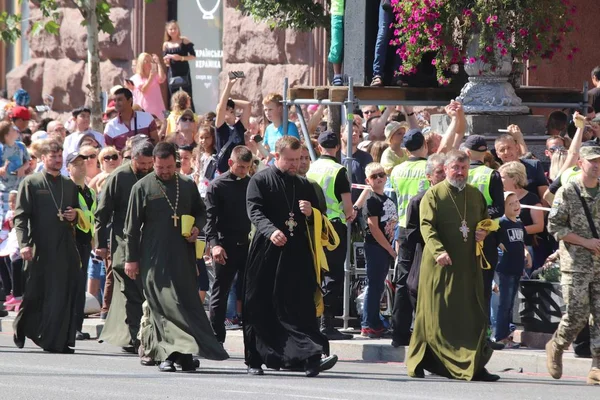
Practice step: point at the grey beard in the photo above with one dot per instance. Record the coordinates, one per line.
(459, 185)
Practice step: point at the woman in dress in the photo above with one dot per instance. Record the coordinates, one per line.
(149, 75)
(177, 52)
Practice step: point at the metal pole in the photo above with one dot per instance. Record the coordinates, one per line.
(284, 118)
(348, 112)
(311, 150)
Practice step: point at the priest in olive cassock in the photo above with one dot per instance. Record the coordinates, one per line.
(166, 261)
(449, 337)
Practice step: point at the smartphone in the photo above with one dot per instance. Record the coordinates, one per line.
(236, 75)
(129, 82)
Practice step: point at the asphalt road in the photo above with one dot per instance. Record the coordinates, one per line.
(99, 371)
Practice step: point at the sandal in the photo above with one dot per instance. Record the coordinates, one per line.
(337, 81)
(377, 81)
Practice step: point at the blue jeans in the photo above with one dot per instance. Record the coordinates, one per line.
(382, 43)
(97, 270)
(378, 266)
(232, 301)
(509, 287)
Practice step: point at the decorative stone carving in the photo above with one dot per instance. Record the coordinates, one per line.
(489, 91)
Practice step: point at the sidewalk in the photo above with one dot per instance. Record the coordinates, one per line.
(379, 350)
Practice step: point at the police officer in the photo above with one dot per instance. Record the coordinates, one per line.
(333, 180)
(407, 179)
(83, 233)
(489, 183)
(579, 261)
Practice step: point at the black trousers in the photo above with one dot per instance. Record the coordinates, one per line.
(333, 282)
(85, 251)
(237, 255)
(5, 275)
(402, 312)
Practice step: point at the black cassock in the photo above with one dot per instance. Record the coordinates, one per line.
(280, 322)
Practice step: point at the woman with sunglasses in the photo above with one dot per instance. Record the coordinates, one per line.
(90, 158)
(109, 161)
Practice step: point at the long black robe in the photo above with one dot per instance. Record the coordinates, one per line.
(280, 323)
(125, 312)
(47, 314)
(178, 322)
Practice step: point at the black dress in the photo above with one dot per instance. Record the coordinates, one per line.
(180, 69)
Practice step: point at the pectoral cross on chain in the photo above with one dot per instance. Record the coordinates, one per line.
(464, 229)
(60, 215)
(175, 218)
(291, 224)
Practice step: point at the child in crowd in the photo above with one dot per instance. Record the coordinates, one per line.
(513, 260)
(274, 113)
(10, 256)
(381, 215)
(14, 162)
(206, 163)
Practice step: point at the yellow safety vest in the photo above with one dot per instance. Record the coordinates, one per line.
(569, 174)
(408, 179)
(88, 214)
(480, 177)
(324, 171)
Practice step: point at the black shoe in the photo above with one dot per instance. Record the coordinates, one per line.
(19, 342)
(82, 336)
(255, 371)
(328, 362)
(400, 342)
(495, 345)
(419, 373)
(485, 376)
(3, 313)
(147, 361)
(167, 366)
(312, 369)
(66, 350)
(334, 334)
(129, 349)
(103, 315)
(187, 363)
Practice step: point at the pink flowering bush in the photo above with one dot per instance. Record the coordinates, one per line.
(523, 29)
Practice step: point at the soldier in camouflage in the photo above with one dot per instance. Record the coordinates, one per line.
(579, 262)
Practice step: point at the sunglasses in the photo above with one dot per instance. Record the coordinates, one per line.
(186, 119)
(127, 157)
(378, 175)
(369, 112)
(90, 157)
(113, 157)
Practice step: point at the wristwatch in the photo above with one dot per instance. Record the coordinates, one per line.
(355, 208)
(410, 114)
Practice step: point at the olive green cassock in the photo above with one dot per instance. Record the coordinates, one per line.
(123, 320)
(46, 315)
(167, 262)
(449, 337)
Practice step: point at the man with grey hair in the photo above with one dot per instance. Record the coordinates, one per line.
(123, 320)
(450, 323)
(411, 249)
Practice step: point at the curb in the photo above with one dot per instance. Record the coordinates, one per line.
(379, 350)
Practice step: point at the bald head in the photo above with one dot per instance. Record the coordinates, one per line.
(56, 130)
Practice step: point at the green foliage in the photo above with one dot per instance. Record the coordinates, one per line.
(302, 15)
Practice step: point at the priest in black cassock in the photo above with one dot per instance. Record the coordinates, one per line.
(44, 222)
(281, 329)
(165, 260)
(125, 312)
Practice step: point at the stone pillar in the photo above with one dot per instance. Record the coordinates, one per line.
(360, 32)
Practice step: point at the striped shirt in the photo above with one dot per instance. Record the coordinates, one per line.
(116, 132)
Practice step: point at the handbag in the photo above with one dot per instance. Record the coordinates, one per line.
(213, 164)
(177, 82)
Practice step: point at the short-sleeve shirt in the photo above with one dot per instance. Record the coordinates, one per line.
(382, 207)
(272, 134)
(116, 132)
(535, 175)
(360, 162)
(17, 156)
(512, 236)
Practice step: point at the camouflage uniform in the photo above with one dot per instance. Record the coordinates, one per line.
(580, 269)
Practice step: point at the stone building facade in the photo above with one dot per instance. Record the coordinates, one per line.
(57, 63)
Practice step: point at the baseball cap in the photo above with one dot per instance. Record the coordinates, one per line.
(39, 135)
(508, 193)
(187, 113)
(413, 140)
(21, 97)
(589, 152)
(72, 157)
(328, 140)
(476, 143)
(20, 112)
